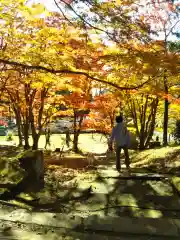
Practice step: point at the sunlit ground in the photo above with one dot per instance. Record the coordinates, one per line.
(96, 144)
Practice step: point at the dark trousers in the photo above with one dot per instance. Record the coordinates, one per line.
(118, 155)
(47, 143)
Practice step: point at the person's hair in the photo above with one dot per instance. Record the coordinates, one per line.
(119, 119)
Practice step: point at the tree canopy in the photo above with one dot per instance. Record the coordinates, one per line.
(81, 46)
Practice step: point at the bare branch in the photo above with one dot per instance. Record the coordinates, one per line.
(170, 31)
(66, 18)
(85, 21)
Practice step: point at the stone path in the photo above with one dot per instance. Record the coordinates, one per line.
(116, 208)
(57, 229)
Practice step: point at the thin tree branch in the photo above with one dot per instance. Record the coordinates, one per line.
(170, 31)
(80, 17)
(110, 35)
(66, 18)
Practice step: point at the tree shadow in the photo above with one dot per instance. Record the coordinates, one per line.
(137, 196)
(133, 197)
(127, 198)
(140, 188)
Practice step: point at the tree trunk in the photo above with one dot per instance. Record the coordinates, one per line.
(75, 142)
(20, 135)
(77, 129)
(18, 123)
(35, 134)
(177, 132)
(139, 108)
(35, 141)
(150, 130)
(165, 124)
(166, 108)
(75, 138)
(141, 141)
(26, 136)
(142, 117)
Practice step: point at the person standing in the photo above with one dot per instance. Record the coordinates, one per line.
(68, 138)
(121, 136)
(47, 136)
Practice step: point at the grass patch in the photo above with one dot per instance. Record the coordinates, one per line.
(95, 143)
(166, 157)
(176, 182)
(10, 171)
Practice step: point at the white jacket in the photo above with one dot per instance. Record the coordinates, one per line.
(120, 134)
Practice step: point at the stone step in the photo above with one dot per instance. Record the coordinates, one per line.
(128, 200)
(61, 234)
(100, 200)
(106, 225)
(121, 194)
(113, 173)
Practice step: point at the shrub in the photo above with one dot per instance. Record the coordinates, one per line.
(133, 141)
(9, 136)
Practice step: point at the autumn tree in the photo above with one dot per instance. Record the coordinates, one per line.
(77, 104)
(177, 131)
(163, 18)
(32, 101)
(39, 44)
(36, 41)
(52, 49)
(104, 109)
(175, 92)
(142, 108)
(117, 21)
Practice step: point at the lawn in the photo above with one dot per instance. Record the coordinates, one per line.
(169, 156)
(97, 144)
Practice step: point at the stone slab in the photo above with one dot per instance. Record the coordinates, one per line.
(119, 225)
(62, 234)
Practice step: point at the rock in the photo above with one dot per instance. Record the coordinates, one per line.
(57, 150)
(6, 228)
(33, 164)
